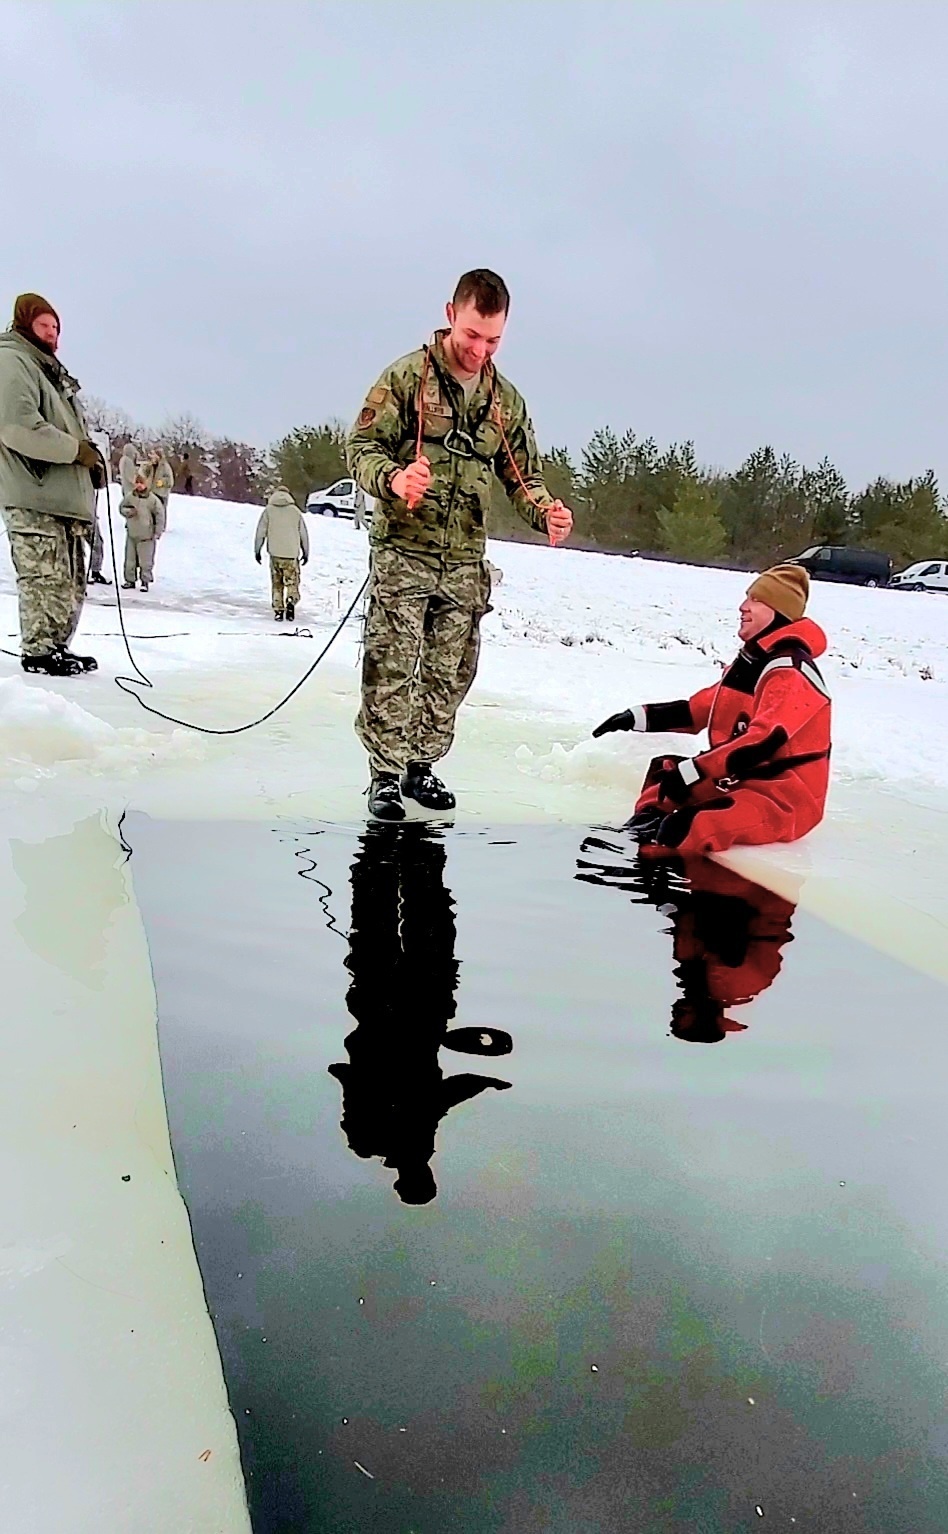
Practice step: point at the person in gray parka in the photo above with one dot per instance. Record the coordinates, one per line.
(128, 468)
(49, 472)
(144, 524)
(287, 538)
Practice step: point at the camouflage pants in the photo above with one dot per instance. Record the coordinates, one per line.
(139, 559)
(422, 639)
(284, 582)
(49, 557)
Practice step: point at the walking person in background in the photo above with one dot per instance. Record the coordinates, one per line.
(283, 528)
(186, 474)
(49, 473)
(358, 508)
(432, 432)
(144, 516)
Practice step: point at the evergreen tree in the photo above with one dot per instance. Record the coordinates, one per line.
(693, 529)
(309, 458)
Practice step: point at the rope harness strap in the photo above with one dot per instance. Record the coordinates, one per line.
(456, 432)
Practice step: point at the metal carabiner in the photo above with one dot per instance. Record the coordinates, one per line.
(460, 443)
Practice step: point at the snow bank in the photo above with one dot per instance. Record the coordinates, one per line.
(41, 729)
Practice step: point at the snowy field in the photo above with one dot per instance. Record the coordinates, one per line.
(572, 637)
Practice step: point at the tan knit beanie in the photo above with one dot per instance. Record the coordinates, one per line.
(785, 588)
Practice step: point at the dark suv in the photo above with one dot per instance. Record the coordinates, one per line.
(835, 562)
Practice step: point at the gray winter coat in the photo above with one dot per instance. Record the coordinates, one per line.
(41, 427)
(128, 468)
(144, 516)
(283, 527)
(159, 478)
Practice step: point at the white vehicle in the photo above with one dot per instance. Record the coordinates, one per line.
(924, 575)
(340, 500)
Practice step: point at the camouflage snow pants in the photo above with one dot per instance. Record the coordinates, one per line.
(422, 639)
(284, 582)
(49, 557)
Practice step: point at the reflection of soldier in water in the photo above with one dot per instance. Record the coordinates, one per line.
(727, 934)
(404, 976)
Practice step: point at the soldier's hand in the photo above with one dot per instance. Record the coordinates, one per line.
(559, 523)
(410, 484)
(88, 456)
(258, 558)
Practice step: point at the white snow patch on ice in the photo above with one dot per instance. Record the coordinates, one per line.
(41, 729)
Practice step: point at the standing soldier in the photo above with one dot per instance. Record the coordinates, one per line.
(49, 472)
(287, 538)
(144, 515)
(128, 468)
(434, 429)
(159, 477)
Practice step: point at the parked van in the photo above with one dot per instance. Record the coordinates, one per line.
(835, 562)
(339, 500)
(924, 575)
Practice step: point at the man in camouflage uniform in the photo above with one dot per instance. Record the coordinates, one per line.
(49, 472)
(430, 586)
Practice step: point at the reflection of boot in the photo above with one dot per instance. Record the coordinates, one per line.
(402, 997)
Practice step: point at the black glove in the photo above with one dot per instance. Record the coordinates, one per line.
(88, 456)
(259, 558)
(671, 785)
(306, 559)
(623, 721)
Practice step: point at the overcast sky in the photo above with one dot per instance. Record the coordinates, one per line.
(718, 220)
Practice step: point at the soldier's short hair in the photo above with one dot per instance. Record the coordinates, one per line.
(487, 292)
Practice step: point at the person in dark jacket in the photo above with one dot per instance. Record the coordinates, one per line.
(765, 774)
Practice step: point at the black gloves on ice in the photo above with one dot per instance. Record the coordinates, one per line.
(671, 785)
(622, 721)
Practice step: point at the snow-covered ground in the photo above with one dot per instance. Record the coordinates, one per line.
(99, 1276)
(572, 637)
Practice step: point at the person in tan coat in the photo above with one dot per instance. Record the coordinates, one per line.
(283, 529)
(144, 516)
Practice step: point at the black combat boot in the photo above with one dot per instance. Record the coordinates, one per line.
(53, 663)
(290, 612)
(87, 662)
(420, 784)
(385, 800)
(278, 617)
(98, 579)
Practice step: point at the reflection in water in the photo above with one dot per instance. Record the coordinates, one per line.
(402, 996)
(727, 933)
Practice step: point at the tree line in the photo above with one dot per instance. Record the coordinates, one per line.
(627, 493)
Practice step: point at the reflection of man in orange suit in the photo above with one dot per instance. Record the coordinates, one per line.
(727, 938)
(728, 934)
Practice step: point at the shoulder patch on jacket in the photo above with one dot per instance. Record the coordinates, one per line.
(377, 395)
(366, 416)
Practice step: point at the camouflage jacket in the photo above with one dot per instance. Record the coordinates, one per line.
(464, 447)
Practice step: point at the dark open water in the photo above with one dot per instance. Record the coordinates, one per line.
(512, 1200)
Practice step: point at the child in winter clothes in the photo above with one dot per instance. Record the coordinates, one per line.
(282, 526)
(765, 775)
(144, 515)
